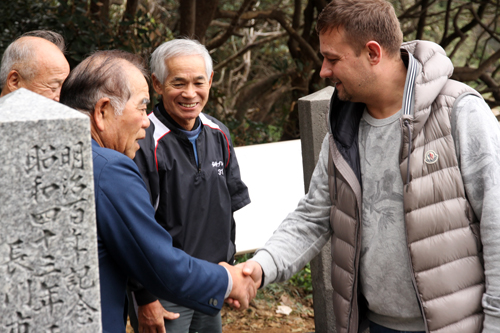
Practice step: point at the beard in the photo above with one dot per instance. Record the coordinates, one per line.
(342, 94)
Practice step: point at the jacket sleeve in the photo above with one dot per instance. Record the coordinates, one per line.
(143, 249)
(237, 188)
(141, 295)
(303, 233)
(477, 140)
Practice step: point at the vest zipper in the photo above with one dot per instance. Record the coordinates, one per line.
(413, 280)
(407, 124)
(335, 182)
(355, 298)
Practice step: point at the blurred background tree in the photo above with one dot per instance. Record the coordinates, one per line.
(265, 51)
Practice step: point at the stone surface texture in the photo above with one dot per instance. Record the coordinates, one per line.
(49, 278)
(313, 110)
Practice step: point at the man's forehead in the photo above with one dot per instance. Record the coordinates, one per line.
(183, 77)
(186, 65)
(332, 41)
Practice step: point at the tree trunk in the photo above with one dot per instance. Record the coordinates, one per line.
(205, 12)
(130, 10)
(421, 20)
(187, 11)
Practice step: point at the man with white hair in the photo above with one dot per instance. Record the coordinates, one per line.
(35, 61)
(110, 87)
(188, 163)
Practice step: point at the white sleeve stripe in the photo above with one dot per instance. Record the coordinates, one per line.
(206, 121)
(160, 131)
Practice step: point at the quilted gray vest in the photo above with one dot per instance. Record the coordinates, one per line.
(442, 230)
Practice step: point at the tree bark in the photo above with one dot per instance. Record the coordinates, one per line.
(130, 10)
(187, 12)
(421, 20)
(205, 12)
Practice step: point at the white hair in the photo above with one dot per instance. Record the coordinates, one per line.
(175, 48)
(19, 55)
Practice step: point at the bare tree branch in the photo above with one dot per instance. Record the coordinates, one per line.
(221, 39)
(458, 33)
(280, 17)
(493, 34)
(247, 48)
(472, 74)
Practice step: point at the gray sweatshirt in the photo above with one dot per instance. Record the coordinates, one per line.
(384, 267)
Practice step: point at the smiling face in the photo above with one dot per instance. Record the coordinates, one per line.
(51, 71)
(350, 73)
(185, 90)
(123, 131)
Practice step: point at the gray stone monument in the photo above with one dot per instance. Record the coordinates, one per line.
(49, 278)
(313, 111)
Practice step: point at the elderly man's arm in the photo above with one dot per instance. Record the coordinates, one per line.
(143, 249)
(477, 139)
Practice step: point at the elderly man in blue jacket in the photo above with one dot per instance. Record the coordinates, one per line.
(110, 87)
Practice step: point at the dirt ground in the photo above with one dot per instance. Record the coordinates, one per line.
(262, 316)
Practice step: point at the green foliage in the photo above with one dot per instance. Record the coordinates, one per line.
(83, 33)
(303, 279)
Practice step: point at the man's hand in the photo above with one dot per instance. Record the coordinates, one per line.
(244, 288)
(151, 318)
(254, 270)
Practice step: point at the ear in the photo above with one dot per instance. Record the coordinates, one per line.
(374, 52)
(210, 81)
(103, 113)
(14, 81)
(157, 85)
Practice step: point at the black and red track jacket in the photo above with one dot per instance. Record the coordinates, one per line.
(194, 203)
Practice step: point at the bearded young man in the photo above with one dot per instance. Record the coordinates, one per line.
(406, 186)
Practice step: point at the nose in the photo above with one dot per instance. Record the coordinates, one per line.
(326, 71)
(145, 121)
(57, 95)
(189, 92)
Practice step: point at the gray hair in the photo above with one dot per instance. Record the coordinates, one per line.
(51, 36)
(175, 48)
(20, 54)
(101, 75)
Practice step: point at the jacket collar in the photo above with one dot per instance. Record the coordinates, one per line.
(164, 117)
(428, 71)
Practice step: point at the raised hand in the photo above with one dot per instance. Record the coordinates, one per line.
(244, 288)
(151, 317)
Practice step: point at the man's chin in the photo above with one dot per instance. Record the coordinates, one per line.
(341, 94)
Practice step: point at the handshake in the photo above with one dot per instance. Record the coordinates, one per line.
(247, 278)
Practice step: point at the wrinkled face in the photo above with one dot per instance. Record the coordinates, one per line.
(185, 90)
(51, 71)
(350, 73)
(126, 129)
